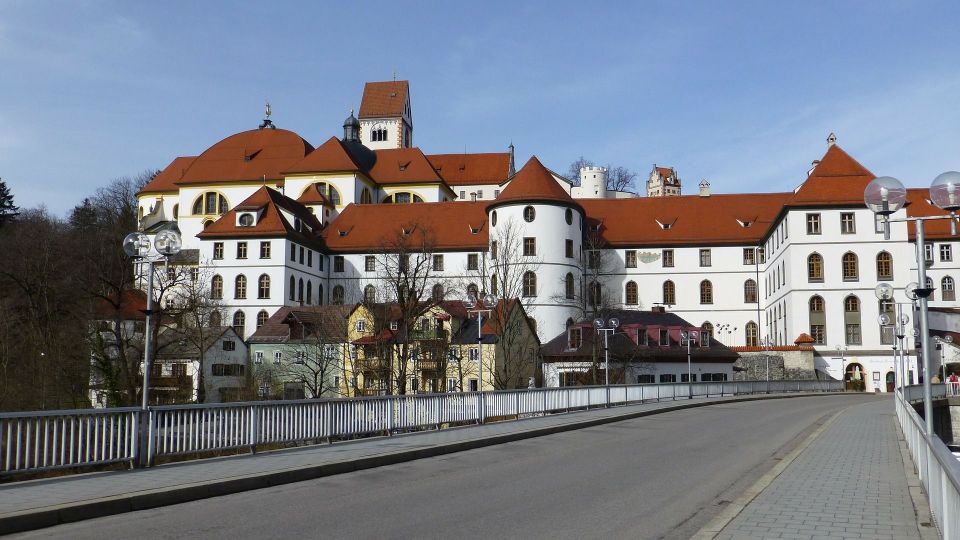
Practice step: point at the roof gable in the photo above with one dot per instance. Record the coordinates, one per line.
(331, 156)
(271, 221)
(402, 166)
(836, 179)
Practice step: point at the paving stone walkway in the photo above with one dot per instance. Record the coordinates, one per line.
(848, 483)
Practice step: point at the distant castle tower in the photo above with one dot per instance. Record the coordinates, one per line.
(663, 182)
(593, 183)
(386, 120)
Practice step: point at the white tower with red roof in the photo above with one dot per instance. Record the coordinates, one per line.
(386, 119)
(536, 231)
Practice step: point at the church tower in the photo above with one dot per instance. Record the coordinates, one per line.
(386, 120)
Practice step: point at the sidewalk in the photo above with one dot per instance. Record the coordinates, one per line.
(43, 503)
(850, 480)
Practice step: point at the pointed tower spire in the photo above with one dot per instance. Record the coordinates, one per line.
(513, 163)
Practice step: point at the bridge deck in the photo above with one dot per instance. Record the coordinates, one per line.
(852, 467)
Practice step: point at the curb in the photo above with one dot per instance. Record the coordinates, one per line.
(67, 513)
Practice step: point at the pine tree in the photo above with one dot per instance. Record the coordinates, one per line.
(8, 211)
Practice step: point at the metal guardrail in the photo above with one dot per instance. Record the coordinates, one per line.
(41, 440)
(938, 468)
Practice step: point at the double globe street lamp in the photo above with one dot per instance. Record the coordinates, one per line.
(137, 246)
(606, 328)
(886, 195)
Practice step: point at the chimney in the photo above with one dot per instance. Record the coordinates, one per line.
(473, 196)
(704, 188)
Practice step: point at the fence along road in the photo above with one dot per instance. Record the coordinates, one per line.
(47, 440)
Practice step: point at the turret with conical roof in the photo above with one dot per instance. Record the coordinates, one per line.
(529, 221)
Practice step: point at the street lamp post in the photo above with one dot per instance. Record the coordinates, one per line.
(474, 307)
(606, 329)
(689, 337)
(840, 350)
(884, 196)
(137, 246)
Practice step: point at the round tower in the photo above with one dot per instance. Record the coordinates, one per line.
(593, 182)
(536, 231)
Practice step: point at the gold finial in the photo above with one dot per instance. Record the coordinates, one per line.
(268, 110)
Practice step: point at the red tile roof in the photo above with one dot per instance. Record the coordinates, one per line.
(249, 155)
(534, 183)
(384, 99)
(271, 223)
(837, 179)
(402, 166)
(166, 180)
(919, 205)
(130, 308)
(472, 169)
(331, 156)
(693, 220)
(370, 227)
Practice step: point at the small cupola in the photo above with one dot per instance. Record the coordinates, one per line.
(704, 188)
(351, 129)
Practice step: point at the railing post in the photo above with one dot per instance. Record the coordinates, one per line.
(517, 393)
(254, 428)
(390, 410)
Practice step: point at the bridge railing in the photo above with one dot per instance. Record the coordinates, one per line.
(938, 468)
(41, 440)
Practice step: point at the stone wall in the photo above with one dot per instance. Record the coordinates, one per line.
(784, 365)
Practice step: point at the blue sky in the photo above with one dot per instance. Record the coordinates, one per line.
(740, 93)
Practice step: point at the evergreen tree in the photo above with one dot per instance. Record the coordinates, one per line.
(7, 209)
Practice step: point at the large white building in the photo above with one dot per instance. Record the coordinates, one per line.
(277, 222)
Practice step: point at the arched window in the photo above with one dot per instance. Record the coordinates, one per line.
(947, 289)
(752, 334)
(309, 292)
(632, 295)
(706, 292)
(240, 287)
(472, 290)
(750, 291)
(569, 286)
(262, 318)
(818, 320)
(849, 264)
(263, 286)
(176, 211)
(378, 133)
(215, 318)
(216, 287)
(529, 214)
(815, 268)
(336, 297)
(369, 294)
(669, 293)
(596, 294)
(365, 197)
(210, 203)
(851, 319)
(930, 286)
(293, 288)
(300, 291)
(437, 293)
(493, 219)
(239, 320)
(707, 329)
(493, 284)
(529, 284)
(569, 322)
(884, 266)
(402, 197)
(328, 191)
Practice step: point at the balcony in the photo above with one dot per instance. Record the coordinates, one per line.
(429, 335)
(372, 363)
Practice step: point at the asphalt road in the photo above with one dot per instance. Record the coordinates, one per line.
(661, 476)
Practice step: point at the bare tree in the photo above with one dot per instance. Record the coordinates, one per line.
(318, 355)
(517, 349)
(406, 264)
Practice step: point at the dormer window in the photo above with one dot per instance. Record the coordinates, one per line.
(246, 219)
(574, 337)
